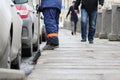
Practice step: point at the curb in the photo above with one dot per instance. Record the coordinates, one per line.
(9, 74)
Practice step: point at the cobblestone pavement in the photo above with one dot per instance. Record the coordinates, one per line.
(75, 60)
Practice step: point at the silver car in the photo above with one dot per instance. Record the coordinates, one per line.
(10, 35)
(30, 28)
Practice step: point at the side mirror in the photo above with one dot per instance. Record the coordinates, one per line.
(37, 6)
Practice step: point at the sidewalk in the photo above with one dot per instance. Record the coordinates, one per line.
(75, 60)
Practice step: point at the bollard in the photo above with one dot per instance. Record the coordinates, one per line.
(98, 25)
(115, 26)
(8, 74)
(106, 23)
(118, 22)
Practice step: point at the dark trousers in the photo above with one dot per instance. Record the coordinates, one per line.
(73, 26)
(51, 20)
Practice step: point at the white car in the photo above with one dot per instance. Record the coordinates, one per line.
(29, 27)
(10, 35)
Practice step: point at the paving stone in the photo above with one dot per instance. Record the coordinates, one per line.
(74, 60)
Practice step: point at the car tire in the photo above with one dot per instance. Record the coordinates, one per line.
(35, 47)
(16, 63)
(27, 52)
(44, 37)
(44, 34)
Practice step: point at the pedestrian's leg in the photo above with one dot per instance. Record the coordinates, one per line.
(51, 28)
(92, 25)
(84, 19)
(75, 28)
(57, 19)
(72, 27)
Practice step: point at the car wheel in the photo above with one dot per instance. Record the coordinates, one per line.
(35, 46)
(43, 37)
(27, 52)
(16, 63)
(5, 60)
(43, 34)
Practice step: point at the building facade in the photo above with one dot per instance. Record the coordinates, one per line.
(66, 4)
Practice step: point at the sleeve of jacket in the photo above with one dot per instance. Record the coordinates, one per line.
(77, 3)
(101, 2)
(68, 12)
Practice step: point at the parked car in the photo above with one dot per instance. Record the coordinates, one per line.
(10, 35)
(30, 26)
(42, 29)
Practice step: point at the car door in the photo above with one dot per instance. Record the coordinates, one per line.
(5, 18)
(17, 31)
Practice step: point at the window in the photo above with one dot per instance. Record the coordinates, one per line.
(20, 1)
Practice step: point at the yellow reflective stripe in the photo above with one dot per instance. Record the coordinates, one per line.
(52, 35)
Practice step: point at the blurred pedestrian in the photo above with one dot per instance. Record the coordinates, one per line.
(89, 10)
(73, 18)
(51, 10)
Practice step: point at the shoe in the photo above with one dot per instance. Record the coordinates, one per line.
(90, 42)
(50, 47)
(56, 46)
(72, 33)
(83, 40)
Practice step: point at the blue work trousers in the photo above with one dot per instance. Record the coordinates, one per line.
(51, 20)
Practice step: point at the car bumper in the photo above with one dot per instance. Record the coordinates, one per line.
(26, 33)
